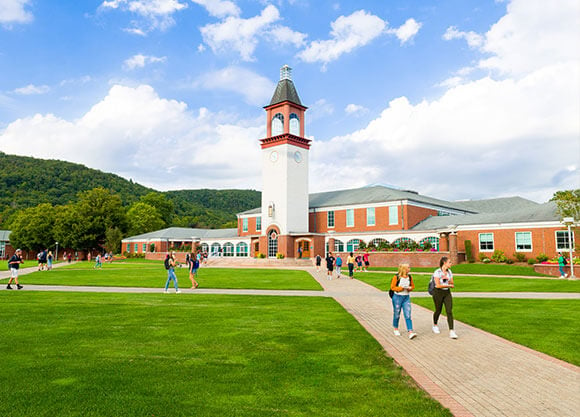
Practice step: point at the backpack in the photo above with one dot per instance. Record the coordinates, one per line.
(565, 261)
(391, 292)
(431, 286)
(166, 263)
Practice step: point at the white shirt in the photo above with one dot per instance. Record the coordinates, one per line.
(443, 278)
(404, 282)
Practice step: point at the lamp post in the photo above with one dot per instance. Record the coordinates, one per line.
(56, 252)
(569, 221)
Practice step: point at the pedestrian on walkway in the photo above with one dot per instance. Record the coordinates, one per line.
(329, 265)
(350, 264)
(338, 266)
(366, 260)
(562, 261)
(98, 262)
(49, 260)
(14, 264)
(193, 265)
(318, 262)
(402, 284)
(443, 278)
(359, 261)
(170, 267)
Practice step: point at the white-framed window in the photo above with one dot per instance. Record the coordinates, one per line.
(205, 248)
(352, 245)
(349, 217)
(277, 124)
(393, 215)
(136, 247)
(228, 249)
(562, 240)
(245, 224)
(215, 249)
(242, 249)
(338, 245)
(524, 241)
(2, 249)
(431, 239)
(272, 244)
(330, 219)
(258, 224)
(486, 242)
(370, 216)
(294, 124)
(144, 247)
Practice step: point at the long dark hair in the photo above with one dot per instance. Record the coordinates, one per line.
(442, 261)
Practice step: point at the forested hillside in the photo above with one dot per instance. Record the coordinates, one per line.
(27, 182)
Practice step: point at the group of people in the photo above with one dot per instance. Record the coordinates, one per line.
(354, 263)
(44, 258)
(402, 285)
(193, 263)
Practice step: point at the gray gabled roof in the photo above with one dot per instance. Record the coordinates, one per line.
(285, 91)
(546, 212)
(376, 194)
(497, 205)
(256, 210)
(185, 233)
(5, 235)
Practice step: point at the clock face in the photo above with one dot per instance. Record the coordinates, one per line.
(297, 156)
(273, 156)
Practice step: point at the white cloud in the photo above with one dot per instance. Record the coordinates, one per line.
(348, 33)
(255, 89)
(157, 14)
(474, 40)
(407, 30)
(32, 89)
(283, 34)
(14, 11)
(140, 60)
(513, 132)
(219, 8)
(156, 142)
(355, 109)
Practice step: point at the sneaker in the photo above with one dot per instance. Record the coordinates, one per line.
(8, 287)
(412, 335)
(452, 334)
(177, 292)
(397, 332)
(19, 286)
(436, 329)
(166, 292)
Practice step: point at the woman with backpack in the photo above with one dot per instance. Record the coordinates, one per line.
(443, 278)
(562, 261)
(401, 287)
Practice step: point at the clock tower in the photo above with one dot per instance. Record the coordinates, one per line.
(284, 170)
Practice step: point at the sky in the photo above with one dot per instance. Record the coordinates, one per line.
(454, 99)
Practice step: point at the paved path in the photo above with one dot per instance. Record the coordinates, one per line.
(478, 374)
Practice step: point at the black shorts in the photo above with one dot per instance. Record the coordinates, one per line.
(330, 267)
(367, 263)
(318, 263)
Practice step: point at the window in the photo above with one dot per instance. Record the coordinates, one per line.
(294, 124)
(215, 249)
(144, 247)
(524, 241)
(228, 249)
(2, 249)
(403, 242)
(393, 215)
(128, 247)
(486, 242)
(338, 245)
(562, 240)
(431, 239)
(370, 216)
(330, 219)
(258, 224)
(277, 124)
(272, 244)
(352, 245)
(136, 246)
(205, 248)
(242, 249)
(245, 224)
(350, 218)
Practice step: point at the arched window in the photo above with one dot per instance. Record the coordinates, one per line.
(215, 249)
(272, 244)
(431, 239)
(277, 124)
(205, 248)
(242, 249)
(352, 245)
(338, 245)
(404, 243)
(228, 249)
(294, 124)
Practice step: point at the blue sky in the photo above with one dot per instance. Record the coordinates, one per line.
(455, 99)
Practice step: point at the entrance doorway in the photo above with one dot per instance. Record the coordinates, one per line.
(305, 246)
(272, 244)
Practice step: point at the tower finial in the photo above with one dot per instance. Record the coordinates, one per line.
(285, 73)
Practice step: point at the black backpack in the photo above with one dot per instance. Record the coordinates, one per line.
(167, 265)
(391, 292)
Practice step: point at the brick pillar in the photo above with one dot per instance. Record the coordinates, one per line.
(453, 255)
(330, 244)
(443, 242)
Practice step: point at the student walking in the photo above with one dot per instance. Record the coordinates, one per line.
(318, 262)
(443, 278)
(402, 284)
(49, 260)
(561, 264)
(193, 265)
(338, 266)
(350, 264)
(329, 265)
(14, 264)
(98, 262)
(358, 260)
(170, 267)
(366, 260)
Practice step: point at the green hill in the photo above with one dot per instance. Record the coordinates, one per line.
(27, 182)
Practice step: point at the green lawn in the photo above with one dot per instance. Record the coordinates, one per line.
(86, 354)
(548, 326)
(382, 281)
(152, 274)
(478, 269)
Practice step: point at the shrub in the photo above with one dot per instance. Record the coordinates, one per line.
(279, 255)
(260, 255)
(498, 256)
(427, 245)
(469, 252)
(542, 257)
(362, 244)
(509, 261)
(482, 257)
(486, 260)
(531, 261)
(152, 247)
(520, 257)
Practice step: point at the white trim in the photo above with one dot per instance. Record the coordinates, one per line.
(504, 226)
(389, 204)
(249, 216)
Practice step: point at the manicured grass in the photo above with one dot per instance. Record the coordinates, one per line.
(382, 281)
(478, 269)
(147, 274)
(85, 354)
(548, 326)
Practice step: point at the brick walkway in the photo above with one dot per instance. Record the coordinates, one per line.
(478, 374)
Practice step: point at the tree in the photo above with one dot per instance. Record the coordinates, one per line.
(143, 218)
(32, 228)
(568, 203)
(113, 238)
(164, 206)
